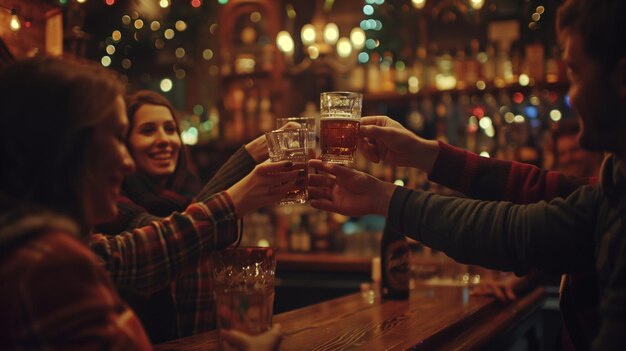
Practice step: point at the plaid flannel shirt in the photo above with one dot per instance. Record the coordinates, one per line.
(191, 291)
(150, 258)
(57, 296)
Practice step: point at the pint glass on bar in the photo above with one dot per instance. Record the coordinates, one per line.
(244, 289)
(339, 123)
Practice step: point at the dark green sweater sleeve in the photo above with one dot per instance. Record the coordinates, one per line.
(553, 237)
(613, 306)
(233, 170)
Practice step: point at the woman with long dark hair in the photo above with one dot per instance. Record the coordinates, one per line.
(63, 159)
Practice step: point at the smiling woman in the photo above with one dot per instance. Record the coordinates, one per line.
(162, 185)
(154, 139)
(64, 178)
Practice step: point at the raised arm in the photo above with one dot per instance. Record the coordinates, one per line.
(463, 171)
(233, 170)
(491, 179)
(148, 258)
(554, 237)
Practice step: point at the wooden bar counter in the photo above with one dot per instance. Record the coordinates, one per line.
(434, 318)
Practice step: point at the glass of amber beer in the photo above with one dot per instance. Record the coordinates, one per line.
(339, 126)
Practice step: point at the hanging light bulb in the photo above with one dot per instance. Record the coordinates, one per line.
(419, 4)
(344, 47)
(308, 35)
(331, 33)
(477, 4)
(14, 24)
(284, 42)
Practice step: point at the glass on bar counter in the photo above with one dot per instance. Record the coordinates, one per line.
(244, 289)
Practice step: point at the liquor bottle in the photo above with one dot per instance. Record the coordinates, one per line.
(416, 80)
(445, 79)
(472, 66)
(504, 66)
(488, 63)
(402, 72)
(431, 70)
(460, 69)
(517, 62)
(214, 118)
(305, 236)
(376, 276)
(266, 118)
(356, 79)
(535, 61)
(395, 257)
(225, 67)
(387, 73)
(373, 74)
(251, 107)
(553, 69)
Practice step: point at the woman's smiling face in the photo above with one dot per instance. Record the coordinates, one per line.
(154, 141)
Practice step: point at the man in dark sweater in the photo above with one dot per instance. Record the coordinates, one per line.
(581, 233)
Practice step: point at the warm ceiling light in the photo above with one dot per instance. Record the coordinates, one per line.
(307, 34)
(357, 36)
(14, 24)
(419, 4)
(477, 4)
(284, 42)
(344, 48)
(331, 33)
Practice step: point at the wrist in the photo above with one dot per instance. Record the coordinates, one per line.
(257, 149)
(234, 193)
(381, 204)
(428, 153)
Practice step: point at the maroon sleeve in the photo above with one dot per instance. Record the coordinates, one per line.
(491, 179)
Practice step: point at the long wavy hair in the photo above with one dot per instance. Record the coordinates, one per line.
(50, 110)
(601, 23)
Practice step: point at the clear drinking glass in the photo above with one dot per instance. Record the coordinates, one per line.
(244, 289)
(310, 123)
(291, 145)
(339, 126)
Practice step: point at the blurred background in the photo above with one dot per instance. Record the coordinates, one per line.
(483, 75)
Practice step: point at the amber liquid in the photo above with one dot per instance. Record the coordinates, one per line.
(338, 139)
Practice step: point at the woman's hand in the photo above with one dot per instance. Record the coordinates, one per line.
(348, 191)
(268, 341)
(265, 185)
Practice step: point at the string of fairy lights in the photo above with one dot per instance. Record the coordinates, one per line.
(149, 29)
